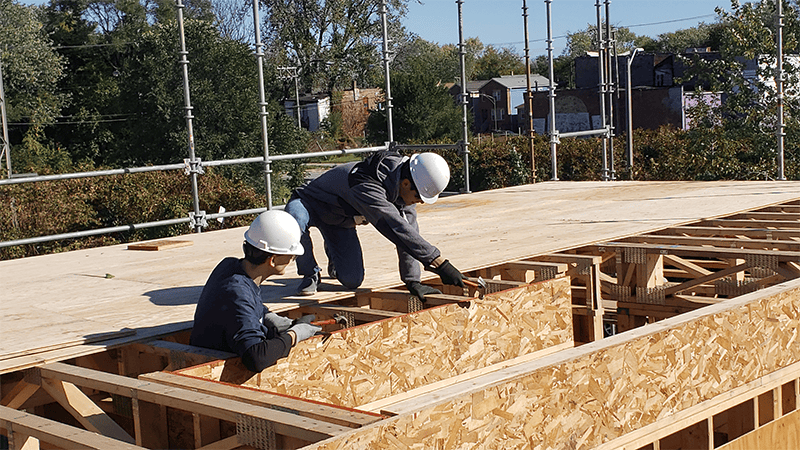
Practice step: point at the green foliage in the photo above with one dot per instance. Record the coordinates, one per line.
(31, 71)
(332, 41)
(494, 62)
(423, 111)
(54, 207)
(701, 36)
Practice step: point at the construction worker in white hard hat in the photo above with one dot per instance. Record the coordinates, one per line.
(381, 190)
(230, 314)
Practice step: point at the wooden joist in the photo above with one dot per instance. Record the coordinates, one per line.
(753, 233)
(22, 425)
(287, 424)
(710, 252)
(327, 413)
(746, 223)
(84, 409)
(761, 244)
(360, 314)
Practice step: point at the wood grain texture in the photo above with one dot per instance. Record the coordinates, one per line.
(628, 382)
(364, 364)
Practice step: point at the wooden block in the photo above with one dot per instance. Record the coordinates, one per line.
(154, 246)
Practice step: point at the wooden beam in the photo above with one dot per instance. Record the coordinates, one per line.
(756, 233)
(221, 408)
(763, 244)
(698, 281)
(57, 433)
(712, 252)
(19, 394)
(85, 410)
(744, 223)
(690, 267)
(328, 413)
(361, 314)
(228, 443)
(764, 215)
(181, 355)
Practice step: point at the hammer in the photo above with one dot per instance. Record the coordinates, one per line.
(337, 319)
(478, 283)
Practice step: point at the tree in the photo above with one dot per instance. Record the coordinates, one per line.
(334, 42)
(701, 36)
(583, 41)
(31, 71)
(494, 62)
(423, 111)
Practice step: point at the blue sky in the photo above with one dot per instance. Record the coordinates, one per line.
(499, 22)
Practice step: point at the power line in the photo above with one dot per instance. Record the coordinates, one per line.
(503, 44)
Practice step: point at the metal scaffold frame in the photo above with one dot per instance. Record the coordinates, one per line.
(194, 166)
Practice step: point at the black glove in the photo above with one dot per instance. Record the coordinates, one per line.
(449, 274)
(308, 318)
(420, 290)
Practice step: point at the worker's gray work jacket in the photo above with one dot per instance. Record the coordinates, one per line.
(371, 188)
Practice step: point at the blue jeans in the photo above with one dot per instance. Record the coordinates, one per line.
(341, 246)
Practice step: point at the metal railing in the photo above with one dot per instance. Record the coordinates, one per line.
(200, 219)
(193, 166)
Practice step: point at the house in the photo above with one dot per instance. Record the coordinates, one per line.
(495, 103)
(314, 108)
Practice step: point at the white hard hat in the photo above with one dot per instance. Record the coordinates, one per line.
(276, 232)
(430, 174)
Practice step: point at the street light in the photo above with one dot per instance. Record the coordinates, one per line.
(494, 107)
(630, 109)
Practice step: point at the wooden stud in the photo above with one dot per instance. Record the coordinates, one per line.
(85, 410)
(19, 394)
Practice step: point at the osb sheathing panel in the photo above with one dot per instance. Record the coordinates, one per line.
(371, 362)
(592, 394)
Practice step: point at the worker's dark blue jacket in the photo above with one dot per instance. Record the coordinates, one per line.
(230, 316)
(371, 188)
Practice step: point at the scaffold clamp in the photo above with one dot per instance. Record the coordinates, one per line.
(198, 219)
(193, 166)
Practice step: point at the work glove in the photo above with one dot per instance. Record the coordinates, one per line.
(303, 331)
(279, 322)
(307, 318)
(449, 274)
(420, 290)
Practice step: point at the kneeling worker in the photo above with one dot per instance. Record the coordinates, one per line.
(230, 315)
(383, 190)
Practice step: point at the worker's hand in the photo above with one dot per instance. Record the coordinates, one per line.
(280, 322)
(307, 318)
(449, 274)
(303, 331)
(421, 290)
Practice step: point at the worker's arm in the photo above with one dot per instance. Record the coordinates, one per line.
(267, 352)
(400, 228)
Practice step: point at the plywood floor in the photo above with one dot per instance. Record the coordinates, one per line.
(58, 306)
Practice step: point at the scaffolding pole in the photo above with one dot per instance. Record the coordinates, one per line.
(6, 148)
(197, 219)
(529, 101)
(552, 93)
(779, 85)
(262, 106)
(386, 60)
(462, 52)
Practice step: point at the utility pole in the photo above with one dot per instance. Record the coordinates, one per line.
(610, 90)
(529, 101)
(294, 72)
